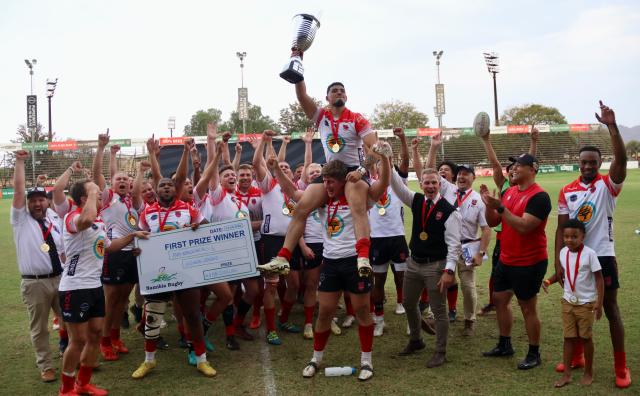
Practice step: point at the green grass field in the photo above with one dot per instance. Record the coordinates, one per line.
(261, 369)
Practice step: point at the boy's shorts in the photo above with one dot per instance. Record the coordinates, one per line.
(577, 320)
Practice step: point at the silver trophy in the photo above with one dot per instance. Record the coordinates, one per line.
(305, 28)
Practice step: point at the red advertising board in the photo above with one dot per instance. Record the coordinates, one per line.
(428, 131)
(173, 141)
(579, 127)
(67, 145)
(518, 128)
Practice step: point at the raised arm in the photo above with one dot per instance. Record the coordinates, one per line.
(136, 193)
(417, 161)
(404, 150)
(259, 164)
(195, 164)
(498, 177)
(181, 170)
(400, 189)
(618, 169)
(226, 156)
(286, 184)
(96, 168)
(436, 142)
(282, 152)
(307, 138)
(237, 157)
(210, 174)
(63, 181)
(212, 134)
(153, 148)
(89, 211)
(306, 102)
(19, 184)
(535, 136)
(113, 160)
(379, 187)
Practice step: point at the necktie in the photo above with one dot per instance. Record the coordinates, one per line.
(460, 195)
(53, 250)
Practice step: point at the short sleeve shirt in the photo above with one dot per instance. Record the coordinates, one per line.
(339, 235)
(350, 129)
(277, 208)
(156, 218)
(585, 282)
(119, 216)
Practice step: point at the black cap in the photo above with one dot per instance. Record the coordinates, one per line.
(526, 159)
(467, 167)
(35, 191)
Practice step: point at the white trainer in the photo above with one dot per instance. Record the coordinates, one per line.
(348, 321)
(399, 309)
(278, 265)
(335, 329)
(378, 330)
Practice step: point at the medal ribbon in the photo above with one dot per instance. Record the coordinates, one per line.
(572, 285)
(166, 216)
(335, 125)
(45, 234)
(460, 202)
(424, 208)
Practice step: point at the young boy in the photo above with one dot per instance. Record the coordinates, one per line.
(583, 294)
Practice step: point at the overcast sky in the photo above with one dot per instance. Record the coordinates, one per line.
(129, 65)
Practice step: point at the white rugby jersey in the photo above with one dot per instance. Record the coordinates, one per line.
(471, 210)
(220, 205)
(351, 128)
(593, 204)
(85, 253)
(156, 218)
(66, 207)
(253, 200)
(119, 215)
(338, 233)
(386, 217)
(274, 220)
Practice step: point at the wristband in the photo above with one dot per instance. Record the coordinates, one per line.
(362, 170)
(500, 209)
(448, 271)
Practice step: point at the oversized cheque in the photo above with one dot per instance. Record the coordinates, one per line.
(184, 258)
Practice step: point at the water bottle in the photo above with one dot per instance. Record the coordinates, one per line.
(339, 371)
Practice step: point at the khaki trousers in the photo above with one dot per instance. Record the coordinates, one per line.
(467, 275)
(419, 276)
(40, 296)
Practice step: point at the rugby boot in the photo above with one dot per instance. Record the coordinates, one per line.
(144, 369)
(278, 265)
(364, 267)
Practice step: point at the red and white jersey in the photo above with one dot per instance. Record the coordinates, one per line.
(85, 253)
(314, 228)
(338, 234)
(350, 127)
(119, 216)
(276, 210)
(253, 200)
(386, 216)
(156, 218)
(66, 207)
(220, 205)
(593, 204)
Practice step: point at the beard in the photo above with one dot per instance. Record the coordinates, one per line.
(338, 103)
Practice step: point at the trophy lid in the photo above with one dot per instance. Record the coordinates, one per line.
(308, 17)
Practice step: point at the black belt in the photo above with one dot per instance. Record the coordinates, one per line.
(469, 240)
(424, 260)
(46, 276)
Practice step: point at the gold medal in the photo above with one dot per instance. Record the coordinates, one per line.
(45, 248)
(573, 299)
(382, 211)
(286, 211)
(424, 236)
(240, 215)
(132, 220)
(335, 148)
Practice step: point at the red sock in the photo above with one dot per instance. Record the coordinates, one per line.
(187, 336)
(115, 334)
(150, 345)
(62, 333)
(270, 318)
(198, 347)
(285, 308)
(230, 330)
(84, 375)
(286, 253)
(308, 314)
(491, 291)
(362, 247)
(452, 297)
(578, 350)
(399, 295)
(347, 302)
(67, 383)
(181, 330)
(620, 361)
(366, 337)
(320, 340)
(424, 296)
(105, 341)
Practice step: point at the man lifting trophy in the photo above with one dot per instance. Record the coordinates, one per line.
(305, 28)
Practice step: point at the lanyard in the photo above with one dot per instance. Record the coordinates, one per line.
(238, 201)
(335, 125)
(166, 216)
(572, 285)
(460, 202)
(424, 208)
(45, 234)
(330, 218)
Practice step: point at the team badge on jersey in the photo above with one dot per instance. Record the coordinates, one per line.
(335, 226)
(98, 247)
(586, 212)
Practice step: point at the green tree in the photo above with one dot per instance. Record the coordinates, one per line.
(256, 123)
(198, 124)
(398, 114)
(532, 114)
(24, 134)
(293, 119)
(633, 147)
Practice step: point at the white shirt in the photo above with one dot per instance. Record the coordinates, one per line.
(391, 222)
(452, 225)
(351, 128)
(67, 206)
(585, 283)
(156, 218)
(340, 241)
(221, 205)
(448, 190)
(119, 216)
(253, 200)
(593, 204)
(472, 213)
(274, 221)
(27, 236)
(85, 253)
